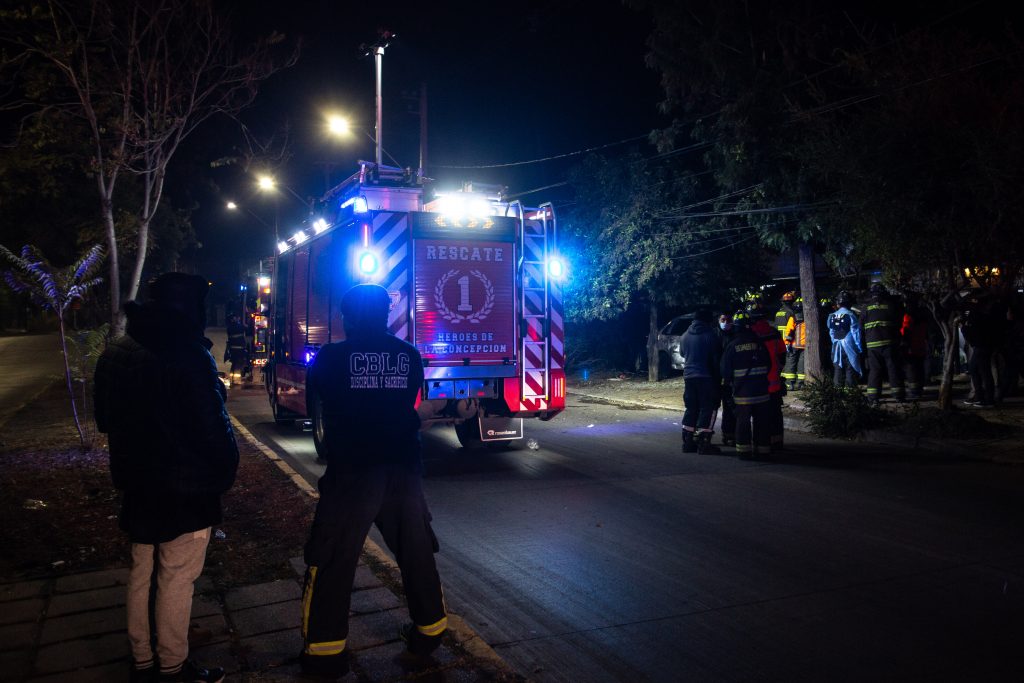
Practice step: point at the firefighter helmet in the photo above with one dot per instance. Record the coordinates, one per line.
(844, 299)
(877, 289)
(789, 297)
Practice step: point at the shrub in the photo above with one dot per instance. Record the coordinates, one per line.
(840, 412)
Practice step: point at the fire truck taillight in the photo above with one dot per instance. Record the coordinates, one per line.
(558, 388)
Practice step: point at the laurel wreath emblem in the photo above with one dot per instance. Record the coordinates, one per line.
(456, 318)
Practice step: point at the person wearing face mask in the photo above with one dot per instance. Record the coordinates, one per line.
(726, 333)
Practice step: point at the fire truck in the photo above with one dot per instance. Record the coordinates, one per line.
(475, 284)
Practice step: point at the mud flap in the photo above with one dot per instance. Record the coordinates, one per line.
(501, 428)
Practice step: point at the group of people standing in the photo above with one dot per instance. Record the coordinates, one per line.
(737, 366)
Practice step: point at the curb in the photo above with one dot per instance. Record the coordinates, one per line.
(461, 632)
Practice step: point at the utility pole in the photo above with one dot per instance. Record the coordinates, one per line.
(377, 50)
(423, 128)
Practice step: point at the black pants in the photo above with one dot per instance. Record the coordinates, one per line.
(752, 439)
(793, 369)
(913, 371)
(353, 497)
(980, 367)
(728, 413)
(883, 359)
(845, 375)
(775, 423)
(700, 398)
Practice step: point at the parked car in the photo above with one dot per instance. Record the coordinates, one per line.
(668, 343)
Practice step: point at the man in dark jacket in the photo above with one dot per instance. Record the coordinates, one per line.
(368, 387)
(701, 350)
(776, 348)
(172, 454)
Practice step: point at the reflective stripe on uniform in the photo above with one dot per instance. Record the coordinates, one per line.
(876, 344)
(435, 629)
(333, 647)
(750, 400)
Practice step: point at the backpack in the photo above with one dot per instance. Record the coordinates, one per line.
(839, 326)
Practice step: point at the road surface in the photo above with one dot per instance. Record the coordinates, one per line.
(27, 364)
(607, 555)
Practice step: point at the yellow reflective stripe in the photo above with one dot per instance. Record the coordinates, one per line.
(307, 599)
(333, 647)
(750, 400)
(876, 344)
(435, 629)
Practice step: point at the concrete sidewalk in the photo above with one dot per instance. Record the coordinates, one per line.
(72, 628)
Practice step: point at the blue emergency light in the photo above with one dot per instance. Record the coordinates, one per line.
(556, 268)
(368, 263)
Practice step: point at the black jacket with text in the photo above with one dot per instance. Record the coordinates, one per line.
(368, 386)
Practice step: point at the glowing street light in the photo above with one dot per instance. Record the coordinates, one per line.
(266, 182)
(338, 125)
(232, 206)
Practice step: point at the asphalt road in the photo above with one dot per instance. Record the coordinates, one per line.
(26, 363)
(607, 555)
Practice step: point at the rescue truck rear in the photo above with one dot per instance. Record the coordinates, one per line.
(475, 285)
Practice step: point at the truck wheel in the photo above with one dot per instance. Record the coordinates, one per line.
(469, 433)
(317, 417)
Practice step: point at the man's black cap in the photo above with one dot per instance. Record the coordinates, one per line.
(183, 293)
(365, 307)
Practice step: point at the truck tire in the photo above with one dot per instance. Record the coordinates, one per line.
(317, 418)
(468, 433)
(282, 416)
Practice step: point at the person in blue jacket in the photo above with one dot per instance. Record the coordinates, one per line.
(701, 349)
(845, 332)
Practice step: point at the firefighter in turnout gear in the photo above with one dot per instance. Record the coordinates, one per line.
(795, 336)
(745, 367)
(702, 349)
(881, 322)
(783, 323)
(368, 386)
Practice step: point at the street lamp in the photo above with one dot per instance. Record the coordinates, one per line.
(265, 182)
(231, 206)
(338, 125)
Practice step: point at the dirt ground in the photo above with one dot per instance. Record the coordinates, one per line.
(59, 507)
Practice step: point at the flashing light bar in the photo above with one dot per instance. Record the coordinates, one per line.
(282, 247)
(319, 225)
(299, 237)
(358, 204)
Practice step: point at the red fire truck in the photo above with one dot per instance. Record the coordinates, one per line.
(475, 285)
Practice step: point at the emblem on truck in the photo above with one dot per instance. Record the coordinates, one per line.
(464, 309)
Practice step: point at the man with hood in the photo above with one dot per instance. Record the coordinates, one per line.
(701, 349)
(172, 455)
(844, 331)
(368, 387)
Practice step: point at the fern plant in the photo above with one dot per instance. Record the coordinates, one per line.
(54, 289)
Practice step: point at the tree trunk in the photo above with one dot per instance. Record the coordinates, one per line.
(67, 375)
(812, 319)
(653, 374)
(117, 320)
(950, 350)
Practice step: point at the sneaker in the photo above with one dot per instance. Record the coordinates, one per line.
(419, 644)
(190, 672)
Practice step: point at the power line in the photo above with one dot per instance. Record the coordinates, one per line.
(551, 158)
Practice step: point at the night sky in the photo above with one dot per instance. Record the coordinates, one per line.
(506, 82)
